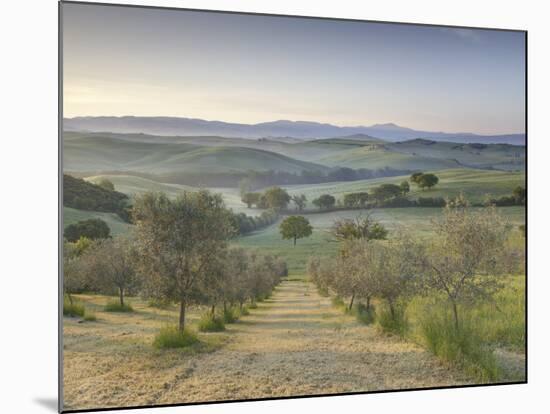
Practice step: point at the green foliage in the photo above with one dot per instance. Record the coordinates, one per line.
(90, 317)
(250, 199)
(180, 243)
(244, 311)
(324, 202)
(365, 315)
(72, 309)
(91, 229)
(299, 201)
(405, 187)
(171, 337)
(83, 195)
(359, 228)
(520, 194)
(211, 323)
(338, 302)
(385, 192)
(295, 227)
(415, 177)
(462, 347)
(230, 315)
(115, 306)
(275, 198)
(106, 184)
(352, 200)
(427, 180)
(393, 321)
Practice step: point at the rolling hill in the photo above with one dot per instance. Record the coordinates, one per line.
(94, 153)
(280, 128)
(105, 152)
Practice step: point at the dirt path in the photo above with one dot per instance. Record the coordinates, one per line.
(296, 344)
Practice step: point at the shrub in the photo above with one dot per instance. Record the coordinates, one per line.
(364, 315)
(171, 337)
(115, 306)
(462, 347)
(244, 311)
(396, 323)
(253, 305)
(211, 323)
(72, 309)
(90, 317)
(230, 315)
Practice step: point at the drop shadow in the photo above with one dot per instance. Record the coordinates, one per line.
(49, 403)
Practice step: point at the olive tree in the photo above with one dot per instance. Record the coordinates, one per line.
(111, 264)
(468, 255)
(178, 241)
(362, 227)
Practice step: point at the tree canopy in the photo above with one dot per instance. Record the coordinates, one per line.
(324, 202)
(179, 241)
(295, 227)
(91, 229)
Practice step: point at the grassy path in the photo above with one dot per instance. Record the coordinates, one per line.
(295, 343)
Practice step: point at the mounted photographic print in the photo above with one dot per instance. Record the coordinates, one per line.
(260, 206)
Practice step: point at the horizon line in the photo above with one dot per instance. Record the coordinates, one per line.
(377, 124)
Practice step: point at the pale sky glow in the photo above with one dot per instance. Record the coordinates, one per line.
(240, 68)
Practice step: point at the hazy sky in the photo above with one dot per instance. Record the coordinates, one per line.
(241, 68)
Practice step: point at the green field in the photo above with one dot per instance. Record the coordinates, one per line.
(414, 220)
(475, 184)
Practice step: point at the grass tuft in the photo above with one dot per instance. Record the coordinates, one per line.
(90, 317)
(244, 311)
(397, 323)
(171, 337)
(463, 347)
(115, 306)
(364, 315)
(230, 315)
(74, 309)
(211, 323)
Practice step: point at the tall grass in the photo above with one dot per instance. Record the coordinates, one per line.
(211, 323)
(171, 337)
(462, 347)
(230, 315)
(395, 322)
(72, 309)
(499, 323)
(365, 315)
(115, 306)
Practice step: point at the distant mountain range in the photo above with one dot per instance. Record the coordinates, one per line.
(303, 130)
